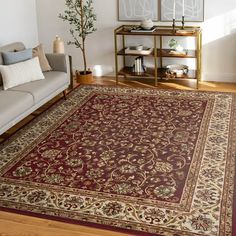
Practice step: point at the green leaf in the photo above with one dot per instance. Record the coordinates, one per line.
(81, 17)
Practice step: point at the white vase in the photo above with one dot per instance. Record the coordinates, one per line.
(147, 24)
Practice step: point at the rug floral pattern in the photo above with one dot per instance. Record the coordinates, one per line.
(155, 161)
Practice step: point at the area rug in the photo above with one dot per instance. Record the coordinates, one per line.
(146, 161)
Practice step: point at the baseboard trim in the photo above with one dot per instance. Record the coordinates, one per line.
(224, 77)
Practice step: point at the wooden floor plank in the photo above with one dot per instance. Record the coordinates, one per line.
(17, 225)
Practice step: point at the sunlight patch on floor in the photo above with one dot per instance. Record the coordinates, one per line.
(208, 84)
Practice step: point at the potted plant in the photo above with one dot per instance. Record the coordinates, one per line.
(81, 17)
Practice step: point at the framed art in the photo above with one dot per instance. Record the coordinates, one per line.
(137, 10)
(193, 10)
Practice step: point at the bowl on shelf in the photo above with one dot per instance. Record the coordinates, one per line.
(139, 47)
(177, 69)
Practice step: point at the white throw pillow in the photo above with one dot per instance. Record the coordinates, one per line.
(20, 73)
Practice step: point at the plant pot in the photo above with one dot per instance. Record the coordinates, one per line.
(82, 78)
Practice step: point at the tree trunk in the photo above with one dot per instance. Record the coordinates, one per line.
(84, 56)
(83, 39)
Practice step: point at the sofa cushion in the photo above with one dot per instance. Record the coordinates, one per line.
(20, 73)
(14, 57)
(39, 52)
(13, 104)
(13, 47)
(42, 88)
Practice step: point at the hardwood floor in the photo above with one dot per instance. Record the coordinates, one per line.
(19, 225)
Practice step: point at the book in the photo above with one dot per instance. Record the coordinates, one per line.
(139, 66)
(139, 29)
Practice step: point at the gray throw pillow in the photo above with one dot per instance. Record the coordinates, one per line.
(15, 57)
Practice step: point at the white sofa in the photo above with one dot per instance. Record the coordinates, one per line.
(20, 101)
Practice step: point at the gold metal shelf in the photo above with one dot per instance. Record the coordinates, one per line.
(159, 53)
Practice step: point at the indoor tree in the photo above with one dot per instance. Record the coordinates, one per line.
(81, 17)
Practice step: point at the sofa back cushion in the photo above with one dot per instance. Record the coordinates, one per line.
(39, 52)
(13, 47)
(15, 57)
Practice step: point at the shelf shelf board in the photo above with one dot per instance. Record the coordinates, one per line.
(123, 53)
(160, 53)
(160, 31)
(127, 72)
(191, 74)
(150, 73)
(166, 53)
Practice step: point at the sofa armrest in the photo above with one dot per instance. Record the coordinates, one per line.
(59, 62)
(63, 63)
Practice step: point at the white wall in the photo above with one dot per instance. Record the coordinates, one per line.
(219, 38)
(219, 41)
(18, 22)
(99, 45)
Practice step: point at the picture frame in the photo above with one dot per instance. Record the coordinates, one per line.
(137, 10)
(193, 12)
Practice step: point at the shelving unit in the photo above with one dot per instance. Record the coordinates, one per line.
(158, 73)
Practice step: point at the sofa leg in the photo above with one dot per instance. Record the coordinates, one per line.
(64, 94)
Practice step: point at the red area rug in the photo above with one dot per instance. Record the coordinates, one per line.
(155, 161)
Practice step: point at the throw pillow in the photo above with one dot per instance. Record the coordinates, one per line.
(21, 73)
(15, 57)
(39, 52)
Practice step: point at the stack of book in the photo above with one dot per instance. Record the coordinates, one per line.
(139, 66)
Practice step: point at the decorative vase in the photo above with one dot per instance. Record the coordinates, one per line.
(147, 24)
(58, 45)
(82, 78)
